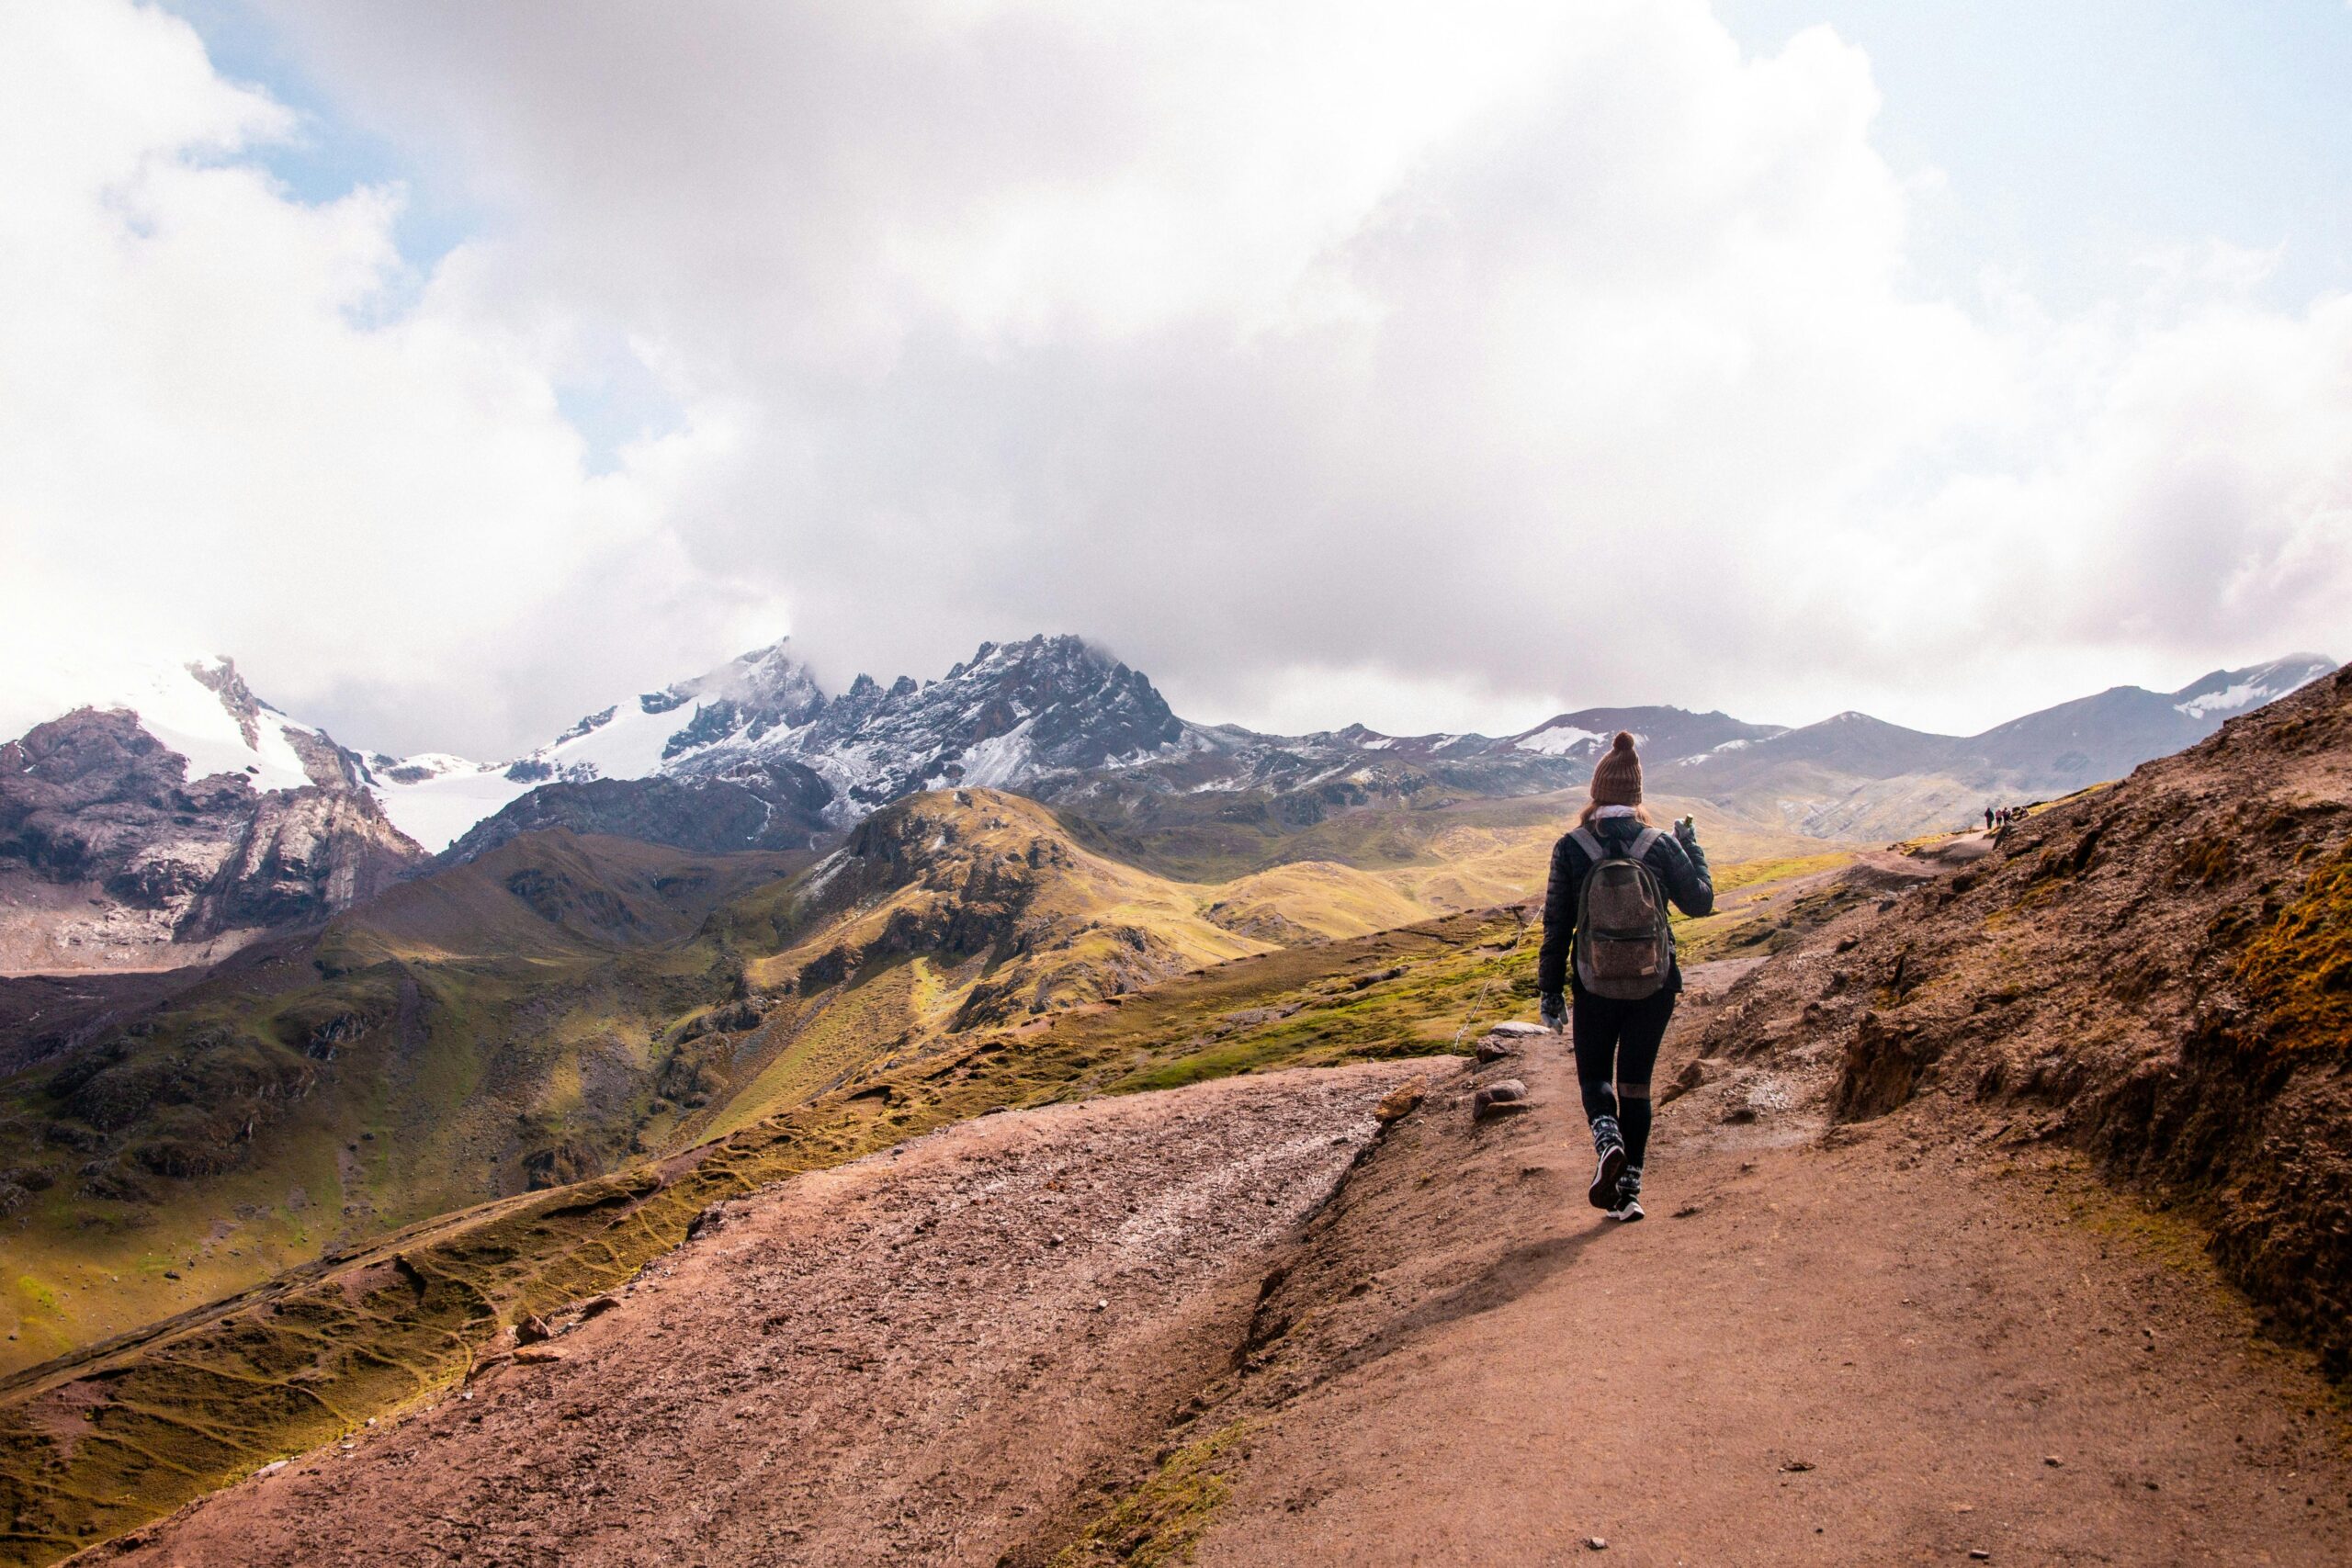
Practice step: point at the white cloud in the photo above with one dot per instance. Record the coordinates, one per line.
(1329, 359)
(235, 421)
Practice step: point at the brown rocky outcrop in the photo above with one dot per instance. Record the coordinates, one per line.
(112, 857)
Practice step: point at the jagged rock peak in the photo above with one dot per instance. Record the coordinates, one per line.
(221, 678)
(766, 683)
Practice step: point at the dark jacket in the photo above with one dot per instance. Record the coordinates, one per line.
(1683, 869)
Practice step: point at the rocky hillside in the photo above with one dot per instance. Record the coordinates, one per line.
(130, 845)
(2158, 972)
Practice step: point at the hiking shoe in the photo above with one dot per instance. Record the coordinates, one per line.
(1629, 1195)
(1610, 1146)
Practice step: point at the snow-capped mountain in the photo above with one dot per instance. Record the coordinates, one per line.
(161, 815)
(1013, 715)
(760, 756)
(1663, 732)
(2107, 735)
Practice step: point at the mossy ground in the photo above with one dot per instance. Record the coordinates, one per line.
(2298, 969)
(1161, 1521)
(1750, 926)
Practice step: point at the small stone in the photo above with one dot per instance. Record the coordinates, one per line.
(2052, 1461)
(1978, 1554)
(1518, 1030)
(1797, 1466)
(1493, 1049)
(1102, 1306)
(1499, 1099)
(1402, 1100)
(532, 1331)
(1701, 1072)
(537, 1355)
(1055, 1239)
(1595, 1543)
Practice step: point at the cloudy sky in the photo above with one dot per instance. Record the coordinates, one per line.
(456, 365)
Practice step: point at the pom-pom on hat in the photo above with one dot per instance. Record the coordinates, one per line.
(1617, 777)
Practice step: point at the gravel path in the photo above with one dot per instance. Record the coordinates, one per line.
(918, 1358)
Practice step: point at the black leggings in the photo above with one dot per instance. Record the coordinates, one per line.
(1618, 1040)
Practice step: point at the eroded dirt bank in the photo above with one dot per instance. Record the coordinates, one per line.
(915, 1359)
(1901, 1343)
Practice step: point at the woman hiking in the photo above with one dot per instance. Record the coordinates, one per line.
(1606, 909)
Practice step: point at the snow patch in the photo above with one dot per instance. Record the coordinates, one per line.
(172, 704)
(2231, 699)
(437, 812)
(1558, 740)
(1000, 760)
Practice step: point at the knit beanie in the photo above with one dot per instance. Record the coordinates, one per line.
(1617, 778)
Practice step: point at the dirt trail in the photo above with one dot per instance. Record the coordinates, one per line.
(1907, 1342)
(1896, 1347)
(915, 1359)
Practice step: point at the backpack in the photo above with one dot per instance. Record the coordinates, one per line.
(1625, 944)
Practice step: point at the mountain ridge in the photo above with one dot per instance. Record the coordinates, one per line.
(276, 825)
(1040, 715)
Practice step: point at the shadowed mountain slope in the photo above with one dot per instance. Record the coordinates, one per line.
(492, 1027)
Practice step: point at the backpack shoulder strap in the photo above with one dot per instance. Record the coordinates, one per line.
(1589, 843)
(1643, 841)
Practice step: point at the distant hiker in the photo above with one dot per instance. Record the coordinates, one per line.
(1606, 909)
(1989, 819)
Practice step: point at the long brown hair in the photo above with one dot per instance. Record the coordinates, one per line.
(1591, 807)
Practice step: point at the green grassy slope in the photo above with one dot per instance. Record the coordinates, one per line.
(1444, 852)
(468, 1034)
